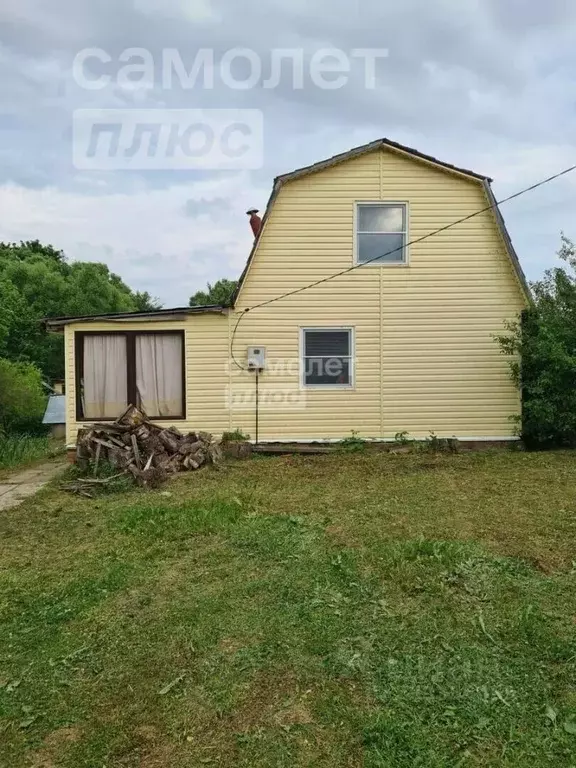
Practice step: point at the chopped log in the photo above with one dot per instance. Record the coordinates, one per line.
(141, 449)
(143, 433)
(118, 458)
(97, 457)
(136, 451)
(132, 417)
(161, 458)
(101, 480)
(188, 448)
(169, 441)
(107, 443)
(191, 463)
(151, 478)
(85, 486)
(240, 449)
(114, 428)
(214, 453)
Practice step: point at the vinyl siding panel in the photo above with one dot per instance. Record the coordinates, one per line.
(425, 357)
(206, 344)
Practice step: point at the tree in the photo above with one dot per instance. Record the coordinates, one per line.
(37, 281)
(146, 303)
(543, 343)
(220, 293)
(26, 249)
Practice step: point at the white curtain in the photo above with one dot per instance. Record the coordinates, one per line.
(105, 376)
(159, 374)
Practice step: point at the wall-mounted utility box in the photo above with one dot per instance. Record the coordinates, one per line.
(257, 358)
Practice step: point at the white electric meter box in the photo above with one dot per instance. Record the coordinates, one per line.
(257, 358)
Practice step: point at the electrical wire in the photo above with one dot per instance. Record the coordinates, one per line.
(234, 332)
(490, 207)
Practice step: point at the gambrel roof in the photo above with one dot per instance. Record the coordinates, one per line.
(373, 146)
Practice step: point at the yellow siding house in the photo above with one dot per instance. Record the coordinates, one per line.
(348, 317)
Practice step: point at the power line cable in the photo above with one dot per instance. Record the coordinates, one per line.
(490, 207)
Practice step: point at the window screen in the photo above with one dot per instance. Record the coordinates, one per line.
(381, 233)
(327, 358)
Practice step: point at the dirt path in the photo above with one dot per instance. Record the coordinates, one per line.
(19, 486)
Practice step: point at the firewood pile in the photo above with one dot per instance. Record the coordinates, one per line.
(134, 445)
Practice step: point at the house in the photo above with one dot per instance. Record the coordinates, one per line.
(400, 341)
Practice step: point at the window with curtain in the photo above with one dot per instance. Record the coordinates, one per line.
(159, 374)
(104, 391)
(116, 370)
(327, 357)
(381, 233)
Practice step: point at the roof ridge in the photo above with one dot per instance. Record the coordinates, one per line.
(371, 147)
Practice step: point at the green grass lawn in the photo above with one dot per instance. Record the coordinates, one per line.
(345, 610)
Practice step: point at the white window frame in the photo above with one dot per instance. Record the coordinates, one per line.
(357, 205)
(352, 356)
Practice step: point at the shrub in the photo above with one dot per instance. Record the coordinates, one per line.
(22, 399)
(543, 346)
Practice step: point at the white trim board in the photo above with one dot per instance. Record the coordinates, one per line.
(299, 440)
(352, 356)
(386, 264)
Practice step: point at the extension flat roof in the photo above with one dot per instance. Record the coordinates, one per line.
(56, 323)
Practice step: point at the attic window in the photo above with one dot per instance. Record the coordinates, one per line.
(381, 233)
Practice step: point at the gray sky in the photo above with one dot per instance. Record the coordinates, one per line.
(486, 84)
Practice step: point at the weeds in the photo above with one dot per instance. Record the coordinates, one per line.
(237, 436)
(18, 450)
(435, 444)
(112, 480)
(352, 444)
(403, 438)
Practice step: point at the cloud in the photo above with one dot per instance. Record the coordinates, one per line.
(197, 11)
(486, 84)
(198, 231)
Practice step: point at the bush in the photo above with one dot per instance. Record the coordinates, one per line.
(22, 399)
(543, 344)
